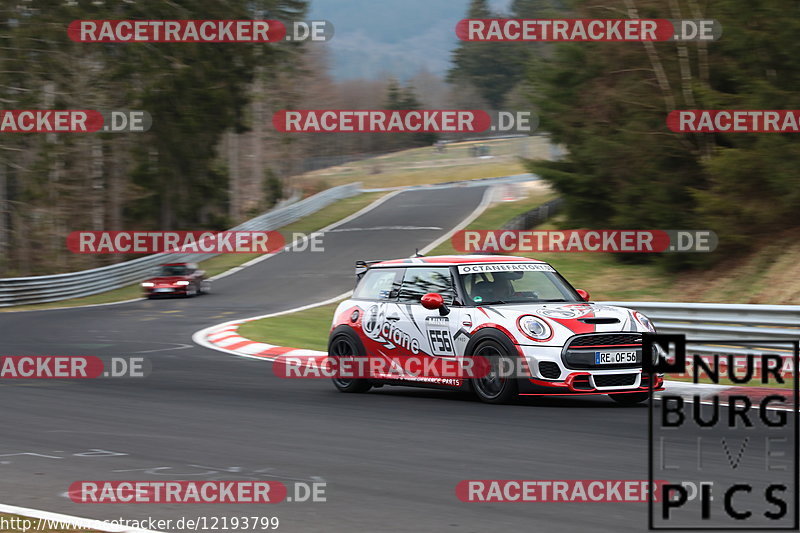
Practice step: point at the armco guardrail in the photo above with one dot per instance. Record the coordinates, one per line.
(41, 289)
(732, 323)
(536, 216)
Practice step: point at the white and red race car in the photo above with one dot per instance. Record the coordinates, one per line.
(517, 313)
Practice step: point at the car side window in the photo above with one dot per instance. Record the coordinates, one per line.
(378, 284)
(420, 281)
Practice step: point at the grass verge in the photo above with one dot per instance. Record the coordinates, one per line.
(306, 329)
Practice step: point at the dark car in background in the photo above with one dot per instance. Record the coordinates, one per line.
(176, 279)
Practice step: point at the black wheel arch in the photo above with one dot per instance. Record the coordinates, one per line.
(494, 334)
(344, 329)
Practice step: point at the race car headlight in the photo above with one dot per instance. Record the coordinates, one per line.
(644, 321)
(148, 284)
(181, 283)
(534, 328)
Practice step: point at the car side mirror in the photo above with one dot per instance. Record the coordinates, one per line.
(433, 301)
(583, 294)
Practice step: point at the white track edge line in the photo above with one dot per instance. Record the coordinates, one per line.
(294, 243)
(485, 201)
(79, 522)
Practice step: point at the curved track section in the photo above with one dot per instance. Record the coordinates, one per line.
(391, 458)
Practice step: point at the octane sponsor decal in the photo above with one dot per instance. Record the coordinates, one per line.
(542, 30)
(149, 242)
(378, 327)
(71, 367)
(736, 121)
(175, 492)
(505, 267)
(550, 490)
(619, 241)
(405, 121)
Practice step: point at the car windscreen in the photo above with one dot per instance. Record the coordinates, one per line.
(516, 286)
(173, 270)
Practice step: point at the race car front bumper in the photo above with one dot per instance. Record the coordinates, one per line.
(549, 375)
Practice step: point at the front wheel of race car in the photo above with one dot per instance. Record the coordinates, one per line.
(345, 343)
(630, 398)
(494, 387)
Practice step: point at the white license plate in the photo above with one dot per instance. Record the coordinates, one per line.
(615, 358)
(164, 289)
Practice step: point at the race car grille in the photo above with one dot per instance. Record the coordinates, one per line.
(606, 339)
(579, 353)
(614, 380)
(549, 369)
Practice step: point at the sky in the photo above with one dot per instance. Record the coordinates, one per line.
(375, 38)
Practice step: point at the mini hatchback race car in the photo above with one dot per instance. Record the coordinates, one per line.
(176, 279)
(501, 308)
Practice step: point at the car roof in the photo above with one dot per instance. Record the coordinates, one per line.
(175, 264)
(453, 260)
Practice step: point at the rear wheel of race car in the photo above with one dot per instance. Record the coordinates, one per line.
(630, 398)
(344, 343)
(493, 387)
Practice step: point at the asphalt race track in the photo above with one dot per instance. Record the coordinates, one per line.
(391, 459)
